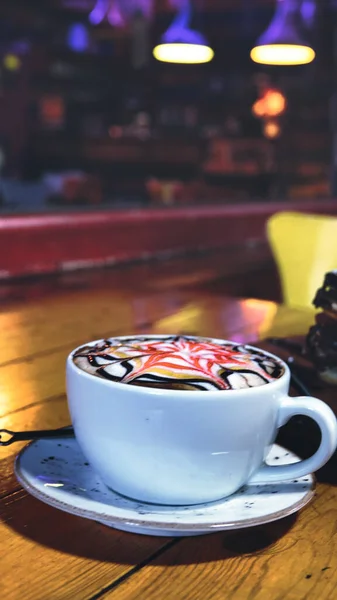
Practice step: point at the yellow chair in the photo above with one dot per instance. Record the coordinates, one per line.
(305, 248)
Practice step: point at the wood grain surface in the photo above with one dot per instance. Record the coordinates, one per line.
(291, 559)
(49, 555)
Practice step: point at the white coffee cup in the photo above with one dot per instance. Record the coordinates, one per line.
(180, 447)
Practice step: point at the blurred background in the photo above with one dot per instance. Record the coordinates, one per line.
(89, 117)
(132, 128)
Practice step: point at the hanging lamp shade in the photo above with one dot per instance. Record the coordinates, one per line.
(182, 44)
(282, 43)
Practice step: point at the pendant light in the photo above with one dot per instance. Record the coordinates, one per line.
(282, 43)
(182, 44)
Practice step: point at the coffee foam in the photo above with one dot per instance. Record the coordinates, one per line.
(178, 362)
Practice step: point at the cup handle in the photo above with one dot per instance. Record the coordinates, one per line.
(325, 419)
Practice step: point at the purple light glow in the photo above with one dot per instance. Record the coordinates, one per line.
(308, 12)
(117, 12)
(20, 47)
(180, 35)
(115, 17)
(241, 338)
(285, 26)
(78, 38)
(99, 12)
(179, 31)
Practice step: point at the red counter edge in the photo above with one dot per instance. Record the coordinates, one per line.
(48, 243)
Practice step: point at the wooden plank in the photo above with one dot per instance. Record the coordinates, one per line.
(292, 558)
(46, 553)
(72, 309)
(246, 321)
(73, 319)
(52, 323)
(143, 276)
(39, 379)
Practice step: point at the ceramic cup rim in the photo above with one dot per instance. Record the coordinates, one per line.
(172, 393)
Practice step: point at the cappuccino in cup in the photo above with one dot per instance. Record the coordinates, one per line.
(181, 420)
(178, 362)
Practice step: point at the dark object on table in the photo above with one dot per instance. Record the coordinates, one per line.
(301, 362)
(9, 437)
(321, 341)
(326, 296)
(286, 344)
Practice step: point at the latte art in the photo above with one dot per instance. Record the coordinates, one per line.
(178, 362)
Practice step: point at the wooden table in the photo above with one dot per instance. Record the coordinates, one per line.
(50, 555)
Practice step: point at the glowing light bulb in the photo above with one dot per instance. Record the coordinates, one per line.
(275, 103)
(272, 104)
(282, 54)
(258, 108)
(271, 130)
(183, 53)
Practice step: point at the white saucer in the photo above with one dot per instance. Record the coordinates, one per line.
(56, 472)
